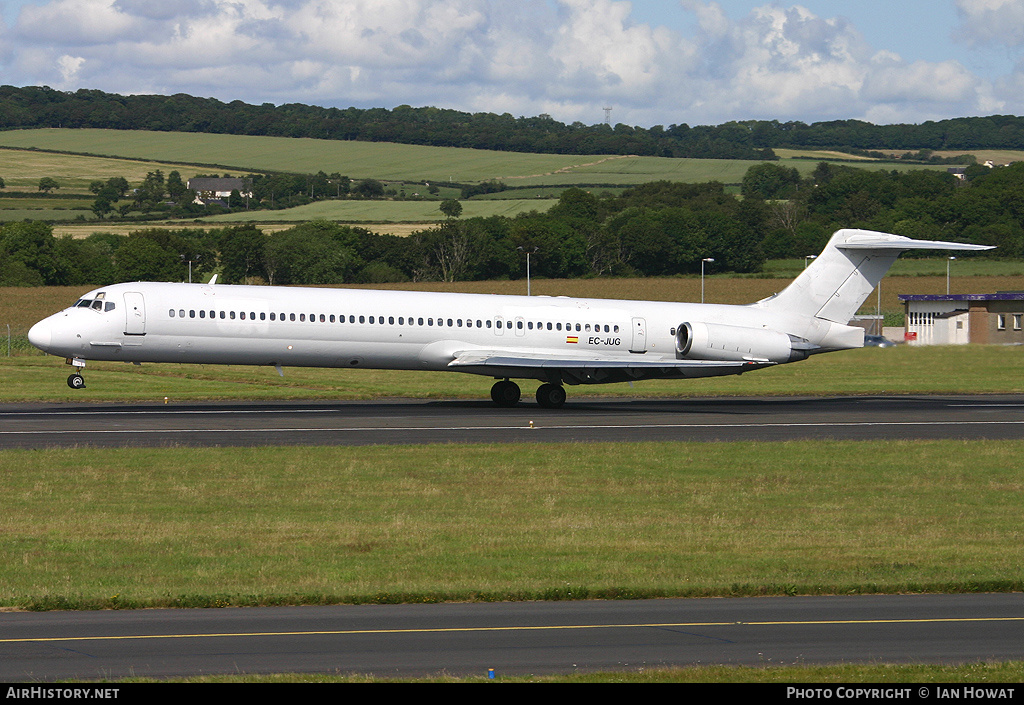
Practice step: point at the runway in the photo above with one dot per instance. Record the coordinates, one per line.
(512, 638)
(584, 420)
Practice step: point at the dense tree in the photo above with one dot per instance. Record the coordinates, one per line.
(451, 208)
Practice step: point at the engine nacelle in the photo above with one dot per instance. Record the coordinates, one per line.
(715, 341)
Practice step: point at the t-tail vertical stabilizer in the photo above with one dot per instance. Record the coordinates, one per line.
(842, 277)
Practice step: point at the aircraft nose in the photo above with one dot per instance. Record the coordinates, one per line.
(41, 335)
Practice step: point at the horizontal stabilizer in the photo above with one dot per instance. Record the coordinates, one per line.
(868, 240)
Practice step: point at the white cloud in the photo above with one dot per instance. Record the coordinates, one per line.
(999, 22)
(568, 58)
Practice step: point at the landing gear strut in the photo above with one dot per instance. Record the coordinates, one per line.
(76, 381)
(551, 396)
(505, 393)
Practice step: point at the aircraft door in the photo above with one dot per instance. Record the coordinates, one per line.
(499, 325)
(135, 313)
(520, 325)
(639, 343)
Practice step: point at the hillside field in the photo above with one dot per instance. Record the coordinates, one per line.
(389, 161)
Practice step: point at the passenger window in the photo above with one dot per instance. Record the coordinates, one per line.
(231, 315)
(241, 315)
(202, 313)
(171, 313)
(323, 318)
(181, 313)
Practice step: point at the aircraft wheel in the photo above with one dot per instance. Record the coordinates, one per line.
(76, 381)
(505, 393)
(551, 396)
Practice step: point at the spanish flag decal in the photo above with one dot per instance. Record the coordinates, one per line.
(572, 339)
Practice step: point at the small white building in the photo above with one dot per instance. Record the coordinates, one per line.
(208, 188)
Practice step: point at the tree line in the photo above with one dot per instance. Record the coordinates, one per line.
(656, 229)
(35, 106)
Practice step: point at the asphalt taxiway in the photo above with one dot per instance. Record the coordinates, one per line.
(512, 638)
(411, 421)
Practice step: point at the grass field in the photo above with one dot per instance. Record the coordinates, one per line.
(425, 212)
(218, 526)
(380, 160)
(22, 169)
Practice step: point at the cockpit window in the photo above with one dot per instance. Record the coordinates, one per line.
(97, 304)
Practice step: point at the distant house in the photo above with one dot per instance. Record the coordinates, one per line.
(209, 189)
(954, 319)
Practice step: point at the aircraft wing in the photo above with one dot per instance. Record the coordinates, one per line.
(595, 368)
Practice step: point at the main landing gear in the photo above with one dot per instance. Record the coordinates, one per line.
(506, 393)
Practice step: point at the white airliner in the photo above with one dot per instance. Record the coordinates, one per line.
(556, 340)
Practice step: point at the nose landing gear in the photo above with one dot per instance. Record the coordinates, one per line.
(76, 381)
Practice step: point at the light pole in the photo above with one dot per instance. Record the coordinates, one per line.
(702, 263)
(807, 257)
(948, 260)
(528, 253)
(188, 258)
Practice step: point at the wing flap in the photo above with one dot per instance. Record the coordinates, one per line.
(516, 360)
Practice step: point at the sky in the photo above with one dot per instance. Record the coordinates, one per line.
(653, 62)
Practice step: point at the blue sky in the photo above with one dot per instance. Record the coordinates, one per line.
(654, 61)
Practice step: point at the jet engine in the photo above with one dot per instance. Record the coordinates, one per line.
(715, 341)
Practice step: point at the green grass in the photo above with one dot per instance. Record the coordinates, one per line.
(21, 169)
(388, 161)
(967, 369)
(971, 673)
(236, 526)
(426, 212)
